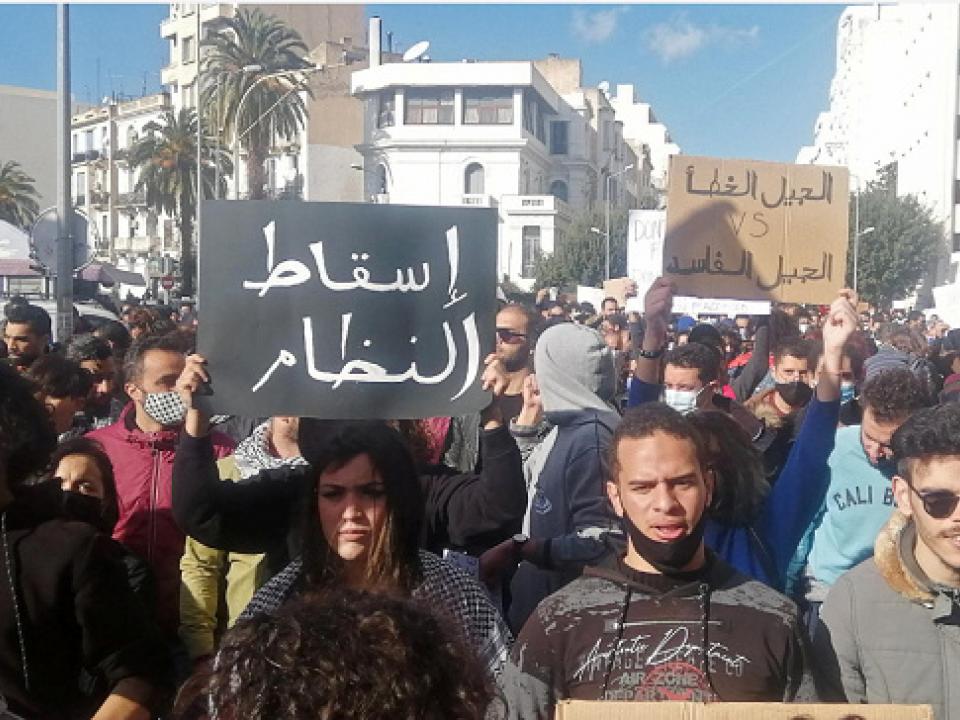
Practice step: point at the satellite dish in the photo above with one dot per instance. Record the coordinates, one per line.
(43, 239)
(415, 52)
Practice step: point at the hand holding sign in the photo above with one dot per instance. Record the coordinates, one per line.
(191, 379)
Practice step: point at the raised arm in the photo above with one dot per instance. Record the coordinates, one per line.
(250, 516)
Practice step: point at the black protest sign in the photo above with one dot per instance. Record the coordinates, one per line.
(346, 310)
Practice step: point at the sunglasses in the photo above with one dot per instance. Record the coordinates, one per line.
(510, 337)
(938, 504)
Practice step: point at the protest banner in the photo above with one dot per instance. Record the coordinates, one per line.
(620, 289)
(754, 230)
(584, 710)
(645, 231)
(346, 310)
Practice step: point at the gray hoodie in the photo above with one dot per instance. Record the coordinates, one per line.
(566, 473)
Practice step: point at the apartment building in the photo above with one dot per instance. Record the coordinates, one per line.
(522, 137)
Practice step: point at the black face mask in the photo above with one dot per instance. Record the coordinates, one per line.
(795, 394)
(667, 557)
(86, 508)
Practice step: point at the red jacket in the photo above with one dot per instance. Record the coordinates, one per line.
(143, 468)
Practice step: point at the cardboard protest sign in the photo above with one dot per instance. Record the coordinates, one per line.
(582, 710)
(754, 230)
(346, 310)
(620, 289)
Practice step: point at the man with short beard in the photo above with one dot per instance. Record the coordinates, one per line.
(889, 627)
(517, 328)
(667, 619)
(96, 356)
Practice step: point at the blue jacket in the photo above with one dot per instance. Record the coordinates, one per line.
(570, 508)
(764, 548)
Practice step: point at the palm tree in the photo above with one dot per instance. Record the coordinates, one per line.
(166, 158)
(248, 47)
(18, 197)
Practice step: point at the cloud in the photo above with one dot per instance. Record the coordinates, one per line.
(680, 38)
(595, 27)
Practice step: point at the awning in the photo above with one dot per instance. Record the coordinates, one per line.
(16, 267)
(106, 274)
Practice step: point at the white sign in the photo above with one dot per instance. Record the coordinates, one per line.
(694, 306)
(592, 295)
(645, 233)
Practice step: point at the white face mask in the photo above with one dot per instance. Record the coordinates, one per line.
(167, 408)
(683, 401)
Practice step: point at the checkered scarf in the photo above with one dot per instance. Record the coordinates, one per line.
(444, 589)
(253, 453)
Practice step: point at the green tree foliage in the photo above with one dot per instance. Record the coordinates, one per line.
(240, 58)
(18, 196)
(166, 158)
(901, 249)
(579, 258)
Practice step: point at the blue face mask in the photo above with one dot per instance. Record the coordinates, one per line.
(848, 391)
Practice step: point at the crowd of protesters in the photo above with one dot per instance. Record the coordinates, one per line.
(651, 507)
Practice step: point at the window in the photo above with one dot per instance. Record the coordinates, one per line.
(186, 54)
(473, 179)
(429, 107)
(558, 137)
(558, 188)
(489, 106)
(530, 250)
(386, 110)
(381, 180)
(533, 121)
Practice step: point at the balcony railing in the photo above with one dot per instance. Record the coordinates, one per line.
(534, 205)
(475, 200)
(99, 198)
(137, 197)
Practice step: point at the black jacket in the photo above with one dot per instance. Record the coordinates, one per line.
(83, 630)
(261, 514)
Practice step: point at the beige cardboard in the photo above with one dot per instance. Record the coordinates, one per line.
(583, 710)
(619, 288)
(772, 231)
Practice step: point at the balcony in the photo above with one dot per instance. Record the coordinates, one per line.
(99, 198)
(127, 199)
(534, 205)
(137, 244)
(474, 200)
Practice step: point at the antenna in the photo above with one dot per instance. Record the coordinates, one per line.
(415, 52)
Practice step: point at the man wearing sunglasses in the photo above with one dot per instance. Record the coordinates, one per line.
(890, 630)
(516, 333)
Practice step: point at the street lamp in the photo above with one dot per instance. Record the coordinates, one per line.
(857, 234)
(237, 135)
(606, 272)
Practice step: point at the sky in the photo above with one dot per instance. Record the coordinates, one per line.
(742, 81)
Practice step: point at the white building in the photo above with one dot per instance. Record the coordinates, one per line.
(648, 137)
(522, 137)
(894, 99)
(315, 165)
(128, 233)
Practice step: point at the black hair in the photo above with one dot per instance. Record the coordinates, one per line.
(328, 445)
(133, 362)
(706, 335)
(618, 320)
(88, 347)
(740, 486)
(645, 420)
(705, 358)
(92, 449)
(55, 376)
(27, 435)
(794, 347)
(533, 318)
(116, 334)
(610, 299)
(339, 655)
(894, 394)
(33, 316)
(928, 433)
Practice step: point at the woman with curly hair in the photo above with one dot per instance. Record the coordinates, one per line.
(340, 654)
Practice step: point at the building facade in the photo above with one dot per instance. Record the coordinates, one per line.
(316, 164)
(894, 99)
(28, 131)
(127, 233)
(647, 136)
(522, 137)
